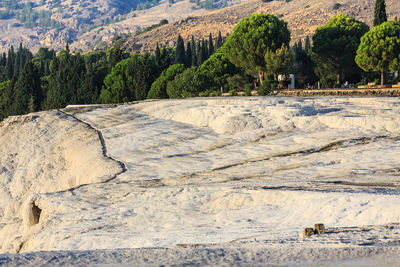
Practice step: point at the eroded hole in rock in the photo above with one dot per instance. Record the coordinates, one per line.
(35, 213)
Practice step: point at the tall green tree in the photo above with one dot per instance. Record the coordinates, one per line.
(157, 54)
(187, 84)
(217, 69)
(6, 98)
(194, 52)
(247, 45)
(188, 55)
(10, 63)
(218, 42)
(180, 51)
(210, 45)
(379, 49)
(303, 67)
(159, 86)
(278, 61)
(28, 94)
(380, 12)
(335, 44)
(129, 80)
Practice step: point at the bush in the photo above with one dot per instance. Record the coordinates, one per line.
(215, 93)
(336, 6)
(247, 89)
(159, 87)
(266, 88)
(187, 84)
(204, 94)
(236, 81)
(233, 92)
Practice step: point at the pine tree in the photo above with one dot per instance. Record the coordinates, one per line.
(380, 12)
(180, 51)
(210, 45)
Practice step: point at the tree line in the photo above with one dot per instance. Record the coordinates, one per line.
(344, 49)
(46, 80)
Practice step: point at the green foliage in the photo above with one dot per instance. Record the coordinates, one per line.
(336, 6)
(5, 99)
(266, 88)
(187, 84)
(217, 69)
(277, 62)
(180, 51)
(215, 93)
(129, 80)
(251, 38)
(237, 81)
(165, 57)
(335, 44)
(303, 67)
(379, 49)
(159, 86)
(154, 26)
(380, 12)
(42, 60)
(28, 94)
(233, 92)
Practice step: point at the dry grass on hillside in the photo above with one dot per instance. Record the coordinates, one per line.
(303, 17)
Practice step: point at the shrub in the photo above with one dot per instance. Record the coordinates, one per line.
(266, 88)
(215, 93)
(204, 94)
(247, 89)
(336, 6)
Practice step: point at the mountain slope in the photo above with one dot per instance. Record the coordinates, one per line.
(86, 22)
(303, 17)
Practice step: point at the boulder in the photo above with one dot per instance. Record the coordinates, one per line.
(319, 228)
(308, 232)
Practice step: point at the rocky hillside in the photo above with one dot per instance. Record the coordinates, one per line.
(303, 17)
(87, 23)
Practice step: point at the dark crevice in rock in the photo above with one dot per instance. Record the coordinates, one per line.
(36, 211)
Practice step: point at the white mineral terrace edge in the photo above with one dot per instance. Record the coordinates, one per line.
(200, 180)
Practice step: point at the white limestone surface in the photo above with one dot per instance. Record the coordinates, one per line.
(240, 172)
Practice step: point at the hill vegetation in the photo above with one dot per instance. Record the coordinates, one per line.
(251, 58)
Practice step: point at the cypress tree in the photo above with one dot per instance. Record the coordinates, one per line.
(307, 44)
(188, 56)
(199, 53)
(28, 94)
(204, 51)
(219, 41)
(4, 59)
(158, 55)
(210, 45)
(194, 54)
(10, 63)
(380, 12)
(180, 51)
